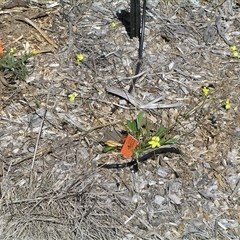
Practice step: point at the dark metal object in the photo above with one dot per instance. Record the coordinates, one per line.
(143, 29)
(134, 163)
(135, 18)
(141, 36)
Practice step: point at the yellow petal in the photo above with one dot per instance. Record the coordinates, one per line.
(34, 52)
(205, 91)
(227, 104)
(72, 97)
(113, 24)
(12, 50)
(156, 139)
(79, 57)
(155, 142)
(233, 48)
(235, 54)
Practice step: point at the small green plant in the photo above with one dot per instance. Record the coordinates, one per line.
(143, 131)
(14, 67)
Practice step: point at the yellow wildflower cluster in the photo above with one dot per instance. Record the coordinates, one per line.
(234, 51)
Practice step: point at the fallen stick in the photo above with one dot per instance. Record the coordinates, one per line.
(24, 19)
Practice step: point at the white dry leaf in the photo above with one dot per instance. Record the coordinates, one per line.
(163, 172)
(83, 153)
(159, 200)
(171, 65)
(174, 198)
(26, 47)
(136, 198)
(122, 102)
(52, 4)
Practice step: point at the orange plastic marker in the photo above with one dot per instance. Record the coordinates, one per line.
(128, 146)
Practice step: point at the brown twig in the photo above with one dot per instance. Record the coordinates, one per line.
(24, 19)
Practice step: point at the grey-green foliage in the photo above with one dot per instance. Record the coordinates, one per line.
(14, 67)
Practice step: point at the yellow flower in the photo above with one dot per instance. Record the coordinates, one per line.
(12, 51)
(113, 25)
(235, 54)
(72, 97)
(155, 142)
(234, 51)
(227, 104)
(79, 58)
(233, 48)
(34, 52)
(205, 91)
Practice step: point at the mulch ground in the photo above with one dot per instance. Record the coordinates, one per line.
(50, 184)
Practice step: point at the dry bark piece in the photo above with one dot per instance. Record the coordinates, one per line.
(16, 3)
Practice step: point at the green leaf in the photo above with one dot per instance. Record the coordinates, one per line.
(138, 151)
(5, 66)
(140, 120)
(129, 125)
(171, 140)
(147, 127)
(163, 141)
(160, 131)
(132, 126)
(145, 134)
(108, 149)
